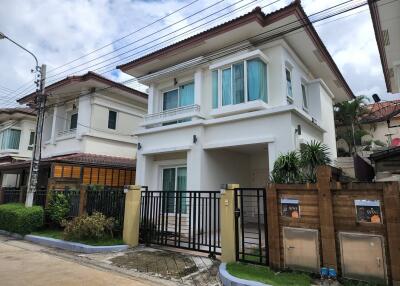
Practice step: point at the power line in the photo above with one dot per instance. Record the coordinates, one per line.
(330, 15)
(127, 35)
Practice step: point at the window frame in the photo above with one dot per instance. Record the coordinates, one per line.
(116, 119)
(2, 137)
(289, 98)
(30, 145)
(230, 65)
(305, 94)
(176, 87)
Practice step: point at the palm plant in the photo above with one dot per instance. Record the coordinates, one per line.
(312, 155)
(348, 115)
(286, 169)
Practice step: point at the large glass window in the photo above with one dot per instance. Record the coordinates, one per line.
(182, 96)
(10, 139)
(256, 80)
(236, 87)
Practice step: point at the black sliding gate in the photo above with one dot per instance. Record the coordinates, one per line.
(182, 219)
(251, 225)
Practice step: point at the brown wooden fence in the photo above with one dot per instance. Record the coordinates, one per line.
(330, 208)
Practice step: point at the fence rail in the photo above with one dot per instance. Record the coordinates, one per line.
(182, 219)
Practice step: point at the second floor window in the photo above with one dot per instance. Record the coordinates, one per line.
(182, 96)
(10, 139)
(305, 96)
(239, 83)
(112, 119)
(31, 140)
(289, 92)
(73, 122)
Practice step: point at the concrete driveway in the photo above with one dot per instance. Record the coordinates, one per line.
(23, 263)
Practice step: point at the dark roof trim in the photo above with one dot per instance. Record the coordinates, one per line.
(261, 18)
(373, 8)
(82, 78)
(385, 154)
(27, 111)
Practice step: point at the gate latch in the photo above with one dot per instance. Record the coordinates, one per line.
(237, 212)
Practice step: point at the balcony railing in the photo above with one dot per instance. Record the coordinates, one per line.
(68, 133)
(172, 115)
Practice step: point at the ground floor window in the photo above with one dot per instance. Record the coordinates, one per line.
(174, 179)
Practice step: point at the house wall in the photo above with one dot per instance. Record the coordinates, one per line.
(92, 134)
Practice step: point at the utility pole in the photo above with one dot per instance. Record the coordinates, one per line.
(40, 102)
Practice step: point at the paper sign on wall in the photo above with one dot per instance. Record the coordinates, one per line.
(290, 208)
(368, 211)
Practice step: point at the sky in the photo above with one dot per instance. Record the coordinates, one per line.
(74, 36)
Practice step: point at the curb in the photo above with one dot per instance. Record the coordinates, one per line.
(230, 280)
(12, 234)
(73, 246)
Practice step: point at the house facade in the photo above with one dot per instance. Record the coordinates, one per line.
(88, 132)
(17, 132)
(385, 15)
(225, 103)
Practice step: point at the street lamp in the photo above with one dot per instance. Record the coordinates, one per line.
(37, 144)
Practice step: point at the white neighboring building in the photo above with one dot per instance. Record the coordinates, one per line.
(224, 104)
(93, 115)
(17, 132)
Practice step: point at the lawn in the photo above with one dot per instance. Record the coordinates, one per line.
(265, 275)
(58, 234)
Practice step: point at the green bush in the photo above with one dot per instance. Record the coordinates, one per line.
(58, 207)
(94, 227)
(20, 219)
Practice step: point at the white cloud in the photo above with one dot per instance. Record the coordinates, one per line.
(60, 31)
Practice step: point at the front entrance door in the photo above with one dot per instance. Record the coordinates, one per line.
(174, 179)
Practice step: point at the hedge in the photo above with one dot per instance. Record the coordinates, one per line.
(19, 219)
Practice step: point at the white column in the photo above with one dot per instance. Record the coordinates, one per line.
(272, 155)
(198, 86)
(84, 116)
(150, 103)
(54, 126)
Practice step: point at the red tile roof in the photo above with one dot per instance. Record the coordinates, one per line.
(81, 78)
(382, 111)
(85, 159)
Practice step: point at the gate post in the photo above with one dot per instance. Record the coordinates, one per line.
(132, 215)
(273, 227)
(391, 200)
(82, 199)
(325, 205)
(228, 234)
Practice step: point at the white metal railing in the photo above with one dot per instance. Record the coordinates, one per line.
(166, 114)
(66, 133)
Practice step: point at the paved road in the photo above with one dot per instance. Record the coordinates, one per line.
(23, 263)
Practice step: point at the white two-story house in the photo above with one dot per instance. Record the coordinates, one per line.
(223, 104)
(17, 132)
(88, 131)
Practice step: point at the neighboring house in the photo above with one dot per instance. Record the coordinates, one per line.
(223, 104)
(387, 164)
(385, 16)
(88, 132)
(17, 133)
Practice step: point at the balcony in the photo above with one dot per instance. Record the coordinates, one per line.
(66, 134)
(184, 113)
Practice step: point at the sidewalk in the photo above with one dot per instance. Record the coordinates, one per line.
(23, 263)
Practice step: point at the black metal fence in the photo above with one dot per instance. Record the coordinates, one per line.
(183, 219)
(251, 225)
(110, 202)
(11, 195)
(39, 198)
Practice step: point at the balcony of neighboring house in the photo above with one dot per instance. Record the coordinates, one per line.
(178, 105)
(68, 129)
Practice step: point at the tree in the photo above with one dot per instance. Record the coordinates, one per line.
(312, 155)
(348, 115)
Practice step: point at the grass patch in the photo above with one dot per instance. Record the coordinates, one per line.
(265, 275)
(58, 234)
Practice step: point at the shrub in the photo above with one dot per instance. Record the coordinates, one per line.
(287, 169)
(58, 207)
(94, 227)
(20, 219)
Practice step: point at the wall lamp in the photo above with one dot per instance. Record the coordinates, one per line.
(194, 139)
(139, 146)
(298, 130)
